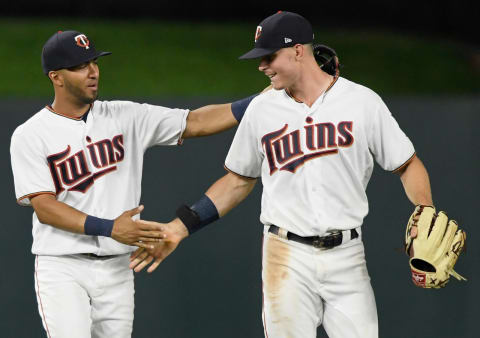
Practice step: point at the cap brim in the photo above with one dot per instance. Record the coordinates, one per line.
(258, 53)
(97, 55)
(103, 54)
(83, 60)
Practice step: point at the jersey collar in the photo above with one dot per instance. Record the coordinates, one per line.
(334, 80)
(83, 117)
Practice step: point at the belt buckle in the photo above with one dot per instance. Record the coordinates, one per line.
(317, 243)
(326, 242)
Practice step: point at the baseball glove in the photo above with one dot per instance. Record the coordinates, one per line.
(327, 59)
(436, 248)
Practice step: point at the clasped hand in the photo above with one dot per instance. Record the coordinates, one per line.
(172, 234)
(138, 232)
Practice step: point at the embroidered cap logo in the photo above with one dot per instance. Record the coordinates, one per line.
(82, 41)
(258, 32)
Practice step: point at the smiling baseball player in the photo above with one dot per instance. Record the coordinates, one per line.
(78, 162)
(313, 141)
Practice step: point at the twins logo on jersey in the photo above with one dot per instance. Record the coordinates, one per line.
(72, 170)
(321, 139)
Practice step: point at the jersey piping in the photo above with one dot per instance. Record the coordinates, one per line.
(233, 172)
(33, 195)
(405, 163)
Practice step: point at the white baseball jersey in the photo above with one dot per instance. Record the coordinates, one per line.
(315, 162)
(93, 166)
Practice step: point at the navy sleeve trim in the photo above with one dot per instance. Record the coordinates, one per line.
(239, 107)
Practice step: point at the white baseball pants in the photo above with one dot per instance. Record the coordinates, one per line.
(82, 297)
(305, 287)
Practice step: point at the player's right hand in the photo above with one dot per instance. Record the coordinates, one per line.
(174, 232)
(139, 232)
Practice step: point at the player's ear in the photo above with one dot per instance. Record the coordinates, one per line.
(300, 51)
(55, 77)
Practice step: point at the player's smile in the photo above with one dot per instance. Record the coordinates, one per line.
(271, 76)
(277, 67)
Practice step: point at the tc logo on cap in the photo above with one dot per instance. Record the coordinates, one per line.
(258, 32)
(82, 41)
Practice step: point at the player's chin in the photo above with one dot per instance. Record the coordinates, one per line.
(89, 99)
(92, 93)
(277, 85)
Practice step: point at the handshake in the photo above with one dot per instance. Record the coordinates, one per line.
(171, 234)
(155, 240)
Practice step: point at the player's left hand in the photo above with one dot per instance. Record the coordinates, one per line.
(438, 243)
(173, 233)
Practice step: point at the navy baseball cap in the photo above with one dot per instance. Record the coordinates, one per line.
(280, 30)
(68, 49)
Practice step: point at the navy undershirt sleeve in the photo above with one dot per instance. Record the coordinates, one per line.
(239, 107)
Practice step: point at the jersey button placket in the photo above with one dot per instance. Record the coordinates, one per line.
(87, 140)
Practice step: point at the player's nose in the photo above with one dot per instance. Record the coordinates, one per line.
(93, 70)
(263, 65)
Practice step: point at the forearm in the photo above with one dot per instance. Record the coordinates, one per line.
(416, 183)
(229, 191)
(57, 214)
(216, 118)
(123, 229)
(209, 120)
(220, 198)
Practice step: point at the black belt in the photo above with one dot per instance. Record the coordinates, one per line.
(325, 242)
(93, 256)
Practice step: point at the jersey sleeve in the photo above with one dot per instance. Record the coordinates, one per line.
(245, 154)
(387, 142)
(31, 172)
(155, 125)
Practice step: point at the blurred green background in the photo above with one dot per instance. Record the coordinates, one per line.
(188, 59)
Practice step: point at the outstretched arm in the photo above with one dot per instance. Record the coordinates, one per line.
(123, 229)
(229, 191)
(225, 194)
(215, 118)
(209, 120)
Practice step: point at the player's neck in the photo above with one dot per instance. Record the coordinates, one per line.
(310, 86)
(69, 108)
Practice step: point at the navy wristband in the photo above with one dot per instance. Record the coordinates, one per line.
(189, 218)
(206, 210)
(202, 213)
(239, 107)
(95, 226)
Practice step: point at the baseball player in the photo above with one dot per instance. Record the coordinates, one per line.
(313, 141)
(78, 163)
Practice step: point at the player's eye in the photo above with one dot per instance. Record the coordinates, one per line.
(269, 58)
(83, 65)
(78, 67)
